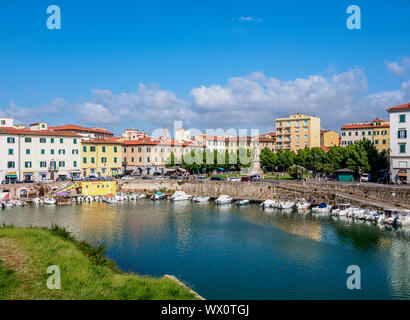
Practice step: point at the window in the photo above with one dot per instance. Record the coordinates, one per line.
(27, 164)
(74, 164)
(84, 159)
(139, 149)
(43, 164)
(376, 141)
(149, 149)
(140, 159)
(92, 160)
(84, 148)
(11, 151)
(402, 134)
(132, 159)
(61, 140)
(61, 163)
(125, 150)
(103, 159)
(42, 140)
(306, 136)
(369, 133)
(92, 148)
(356, 133)
(75, 141)
(51, 151)
(125, 159)
(115, 159)
(11, 140)
(363, 133)
(27, 139)
(103, 148)
(384, 141)
(115, 149)
(74, 151)
(350, 133)
(52, 140)
(402, 118)
(297, 136)
(10, 164)
(147, 159)
(343, 134)
(402, 148)
(61, 151)
(27, 151)
(43, 151)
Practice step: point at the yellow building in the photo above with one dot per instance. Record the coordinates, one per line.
(101, 157)
(98, 188)
(297, 132)
(329, 138)
(377, 131)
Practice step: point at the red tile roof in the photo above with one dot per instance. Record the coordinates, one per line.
(399, 108)
(26, 131)
(73, 127)
(102, 141)
(363, 126)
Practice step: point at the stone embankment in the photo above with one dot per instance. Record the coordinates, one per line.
(363, 194)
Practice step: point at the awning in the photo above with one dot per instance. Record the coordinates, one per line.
(222, 169)
(28, 173)
(11, 176)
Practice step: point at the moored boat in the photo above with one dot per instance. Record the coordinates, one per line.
(180, 196)
(223, 199)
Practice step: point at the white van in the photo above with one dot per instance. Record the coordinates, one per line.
(365, 177)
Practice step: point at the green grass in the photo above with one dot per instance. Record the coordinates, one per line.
(85, 271)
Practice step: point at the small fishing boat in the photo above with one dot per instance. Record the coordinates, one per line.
(180, 196)
(142, 196)
(157, 196)
(119, 196)
(388, 216)
(224, 199)
(80, 199)
(200, 199)
(111, 199)
(50, 201)
(322, 208)
(242, 202)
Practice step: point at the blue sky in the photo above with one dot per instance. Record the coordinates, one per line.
(211, 64)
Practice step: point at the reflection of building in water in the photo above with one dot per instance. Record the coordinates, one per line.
(399, 267)
(182, 211)
(300, 225)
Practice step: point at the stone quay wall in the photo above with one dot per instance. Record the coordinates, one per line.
(368, 195)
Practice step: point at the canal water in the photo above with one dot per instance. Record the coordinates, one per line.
(230, 252)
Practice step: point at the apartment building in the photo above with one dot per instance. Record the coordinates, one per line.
(101, 157)
(329, 138)
(298, 131)
(37, 152)
(377, 131)
(399, 117)
(84, 132)
(268, 140)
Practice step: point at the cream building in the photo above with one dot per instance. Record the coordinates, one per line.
(36, 152)
(298, 131)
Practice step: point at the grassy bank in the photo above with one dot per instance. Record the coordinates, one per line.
(25, 254)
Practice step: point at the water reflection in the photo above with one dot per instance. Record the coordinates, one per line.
(238, 252)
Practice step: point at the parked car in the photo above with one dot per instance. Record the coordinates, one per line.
(62, 178)
(255, 177)
(246, 179)
(216, 178)
(365, 177)
(159, 178)
(92, 178)
(127, 178)
(10, 181)
(147, 177)
(201, 178)
(46, 180)
(235, 179)
(175, 177)
(28, 181)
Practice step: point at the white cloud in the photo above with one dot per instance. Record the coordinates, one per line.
(249, 19)
(399, 68)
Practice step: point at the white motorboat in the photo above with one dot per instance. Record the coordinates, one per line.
(37, 201)
(269, 204)
(286, 205)
(142, 196)
(224, 199)
(242, 202)
(111, 200)
(80, 199)
(89, 199)
(388, 216)
(200, 199)
(322, 208)
(342, 209)
(301, 204)
(50, 201)
(119, 196)
(180, 196)
(403, 218)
